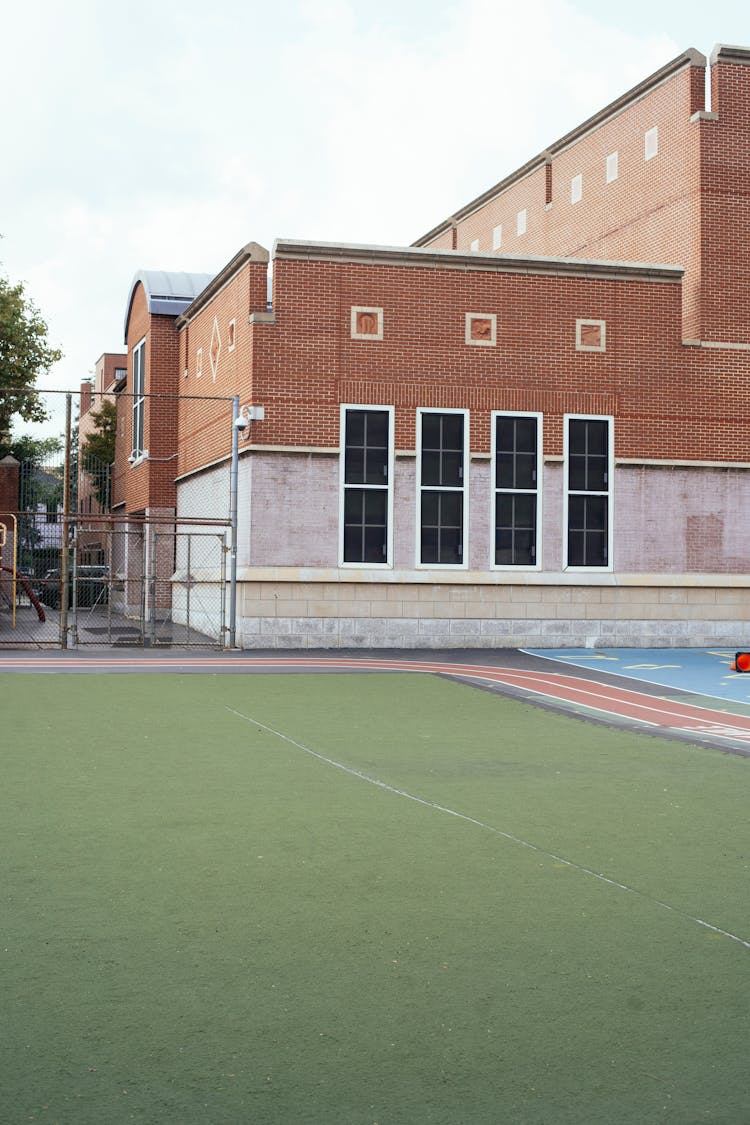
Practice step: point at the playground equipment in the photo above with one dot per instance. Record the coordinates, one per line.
(18, 579)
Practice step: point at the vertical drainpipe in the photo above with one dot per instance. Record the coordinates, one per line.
(233, 488)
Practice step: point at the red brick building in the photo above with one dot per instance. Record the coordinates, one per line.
(530, 428)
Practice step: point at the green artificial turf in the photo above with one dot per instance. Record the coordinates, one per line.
(203, 923)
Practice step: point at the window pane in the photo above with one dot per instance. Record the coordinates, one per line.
(515, 529)
(377, 428)
(451, 504)
(525, 474)
(442, 450)
(366, 447)
(596, 474)
(596, 513)
(587, 530)
(516, 452)
(453, 431)
(429, 545)
(355, 427)
(374, 548)
(376, 505)
(353, 505)
(450, 546)
(452, 465)
(597, 437)
(442, 527)
(431, 431)
(430, 507)
(524, 511)
(354, 466)
(365, 525)
(430, 468)
(526, 435)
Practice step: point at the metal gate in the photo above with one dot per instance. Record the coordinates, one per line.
(78, 568)
(128, 582)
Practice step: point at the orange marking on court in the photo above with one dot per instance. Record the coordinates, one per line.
(641, 707)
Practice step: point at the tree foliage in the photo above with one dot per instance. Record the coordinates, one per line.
(25, 355)
(100, 443)
(98, 450)
(25, 448)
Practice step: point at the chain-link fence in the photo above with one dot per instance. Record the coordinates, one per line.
(120, 550)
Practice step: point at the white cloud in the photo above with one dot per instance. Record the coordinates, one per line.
(325, 119)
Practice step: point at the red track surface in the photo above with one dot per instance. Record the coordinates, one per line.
(578, 691)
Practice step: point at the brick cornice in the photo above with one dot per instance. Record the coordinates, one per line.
(350, 253)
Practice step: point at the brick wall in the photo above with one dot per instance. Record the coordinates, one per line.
(688, 204)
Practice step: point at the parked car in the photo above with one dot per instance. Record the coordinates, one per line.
(91, 584)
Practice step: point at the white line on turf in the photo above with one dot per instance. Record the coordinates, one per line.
(487, 827)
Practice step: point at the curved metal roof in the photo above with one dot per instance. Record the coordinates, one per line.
(167, 293)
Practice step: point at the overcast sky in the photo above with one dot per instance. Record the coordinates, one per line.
(148, 136)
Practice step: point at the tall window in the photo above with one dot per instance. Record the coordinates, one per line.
(516, 463)
(139, 400)
(443, 465)
(588, 487)
(366, 472)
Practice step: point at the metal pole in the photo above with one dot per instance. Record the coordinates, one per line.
(233, 489)
(64, 558)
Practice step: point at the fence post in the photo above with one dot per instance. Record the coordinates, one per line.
(65, 556)
(233, 488)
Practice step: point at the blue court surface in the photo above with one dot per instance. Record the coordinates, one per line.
(699, 671)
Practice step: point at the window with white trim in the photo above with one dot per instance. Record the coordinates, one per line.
(576, 189)
(497, 237)
(516, 489)
(366, 490)
(139, 397)
(589, 467)
(651, 143)
(612, 167)
(442, 466)
(521, 222)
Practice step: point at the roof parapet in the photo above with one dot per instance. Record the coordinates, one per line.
(252, 252)
(724, 52)
(353, 253)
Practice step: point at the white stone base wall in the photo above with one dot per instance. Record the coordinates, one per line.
(310, 614)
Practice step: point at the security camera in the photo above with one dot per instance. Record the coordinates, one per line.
(241, 423)
(132, 459)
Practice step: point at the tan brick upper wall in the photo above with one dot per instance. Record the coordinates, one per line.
(689, 204)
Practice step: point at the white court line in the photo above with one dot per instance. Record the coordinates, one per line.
(488, 827)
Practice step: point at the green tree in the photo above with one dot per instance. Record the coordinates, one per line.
(98, 450)
(25, 355)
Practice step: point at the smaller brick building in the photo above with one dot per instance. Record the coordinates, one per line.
(530, 428)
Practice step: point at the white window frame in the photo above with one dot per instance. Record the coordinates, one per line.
(610, 492)
(497, 236)
(474, 247)
(521, 221)
(387, 564)
(613, 167)
(138, 431)
(651, 143)
(464, 490)
(576, 188)
(538, 493)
